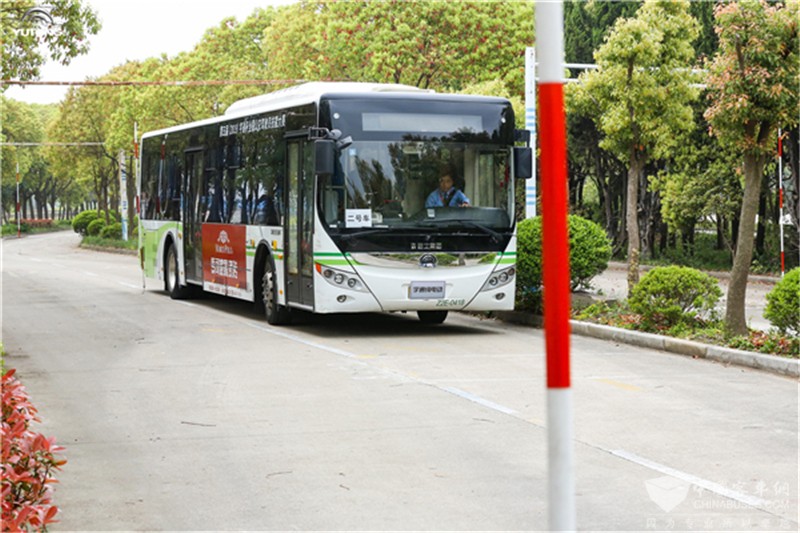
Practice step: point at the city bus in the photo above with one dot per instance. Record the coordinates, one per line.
(315, 198)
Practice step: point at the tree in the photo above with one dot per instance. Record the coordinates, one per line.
(701, 181)
(641, 97)
(83, 118)
(229, 51)
(31, 33)
(430, 44)
(753, 90)
(23, 123)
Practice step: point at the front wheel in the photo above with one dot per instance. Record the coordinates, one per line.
(432, 317)
(172, 282)
(276, 314)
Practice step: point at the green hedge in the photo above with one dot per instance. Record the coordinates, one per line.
(112, 231)
(590, 251)
(95, 227)
(783, 303)
(672, 295)
(81, 222)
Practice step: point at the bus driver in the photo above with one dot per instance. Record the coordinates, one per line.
(447, 195)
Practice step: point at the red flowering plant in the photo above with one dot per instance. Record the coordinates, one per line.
(38, 222)
(28, 463)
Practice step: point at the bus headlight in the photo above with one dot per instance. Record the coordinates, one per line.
(499, 278)
(341, 279)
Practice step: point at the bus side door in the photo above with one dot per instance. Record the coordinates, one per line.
(298, 251)
(192, 241)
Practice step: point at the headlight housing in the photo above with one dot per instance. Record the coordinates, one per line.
(341, 279)
(499, 278)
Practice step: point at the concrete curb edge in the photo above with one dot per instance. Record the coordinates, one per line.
(771, 363)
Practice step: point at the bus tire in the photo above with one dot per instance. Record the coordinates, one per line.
(172, 282)
(276, 314)
(432, 317)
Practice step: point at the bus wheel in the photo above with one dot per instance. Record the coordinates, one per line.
(171, 281)
(432, 317)
(276, 314)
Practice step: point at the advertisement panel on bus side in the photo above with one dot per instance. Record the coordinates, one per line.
(224, 257)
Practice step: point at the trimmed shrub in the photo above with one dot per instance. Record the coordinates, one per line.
(783, 303)
(112, 231)
(95, 227)
(668, 296)
(590, 251)
(82, 220)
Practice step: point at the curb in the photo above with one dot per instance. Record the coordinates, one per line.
(109, 250)
(771, 363)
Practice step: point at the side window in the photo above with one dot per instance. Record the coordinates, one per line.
(231, 212)
(172, 188)
(149, 194)
(266, 182)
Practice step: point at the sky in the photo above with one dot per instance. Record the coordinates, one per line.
(136, 31)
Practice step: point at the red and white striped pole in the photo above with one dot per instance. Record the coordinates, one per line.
(780, 198)
(555, 262)
(19, 212)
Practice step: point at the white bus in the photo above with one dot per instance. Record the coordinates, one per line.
(316, 198)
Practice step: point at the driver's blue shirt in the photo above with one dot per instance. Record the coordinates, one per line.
(437, 198)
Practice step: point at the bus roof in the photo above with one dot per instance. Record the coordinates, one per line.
(312, 92)
(305, 93)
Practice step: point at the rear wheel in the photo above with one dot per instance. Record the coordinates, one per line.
(276, 314)
(171, 277)
(432, 317)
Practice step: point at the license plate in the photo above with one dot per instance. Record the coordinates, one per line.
(426, 290)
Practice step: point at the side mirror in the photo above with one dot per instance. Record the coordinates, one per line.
(523, 162)
(324, 156)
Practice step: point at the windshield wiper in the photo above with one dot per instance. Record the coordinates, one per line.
(450, 223)
(489, 231)
(363, 233)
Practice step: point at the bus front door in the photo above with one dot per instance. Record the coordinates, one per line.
(299, 253)
(192, 242)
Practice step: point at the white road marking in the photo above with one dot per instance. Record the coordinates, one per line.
(477, 399)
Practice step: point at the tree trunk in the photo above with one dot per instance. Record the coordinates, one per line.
(635, 169)
(735, 321)
(761, 226)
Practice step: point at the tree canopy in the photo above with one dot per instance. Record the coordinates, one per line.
(431, 44)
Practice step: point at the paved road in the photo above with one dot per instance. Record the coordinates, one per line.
(200, 416)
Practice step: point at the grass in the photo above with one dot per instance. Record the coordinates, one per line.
(10, 229)
(115, 244)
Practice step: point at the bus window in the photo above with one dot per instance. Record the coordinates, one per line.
(172, 189)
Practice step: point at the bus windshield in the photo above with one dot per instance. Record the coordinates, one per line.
(418, 185)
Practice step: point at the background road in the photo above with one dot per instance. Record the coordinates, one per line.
(199, 415)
